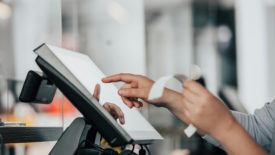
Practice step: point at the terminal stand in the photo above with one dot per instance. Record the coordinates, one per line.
(73, 137)
(80, 139)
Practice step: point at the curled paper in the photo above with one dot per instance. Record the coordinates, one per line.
(158, 88)
(190, 130)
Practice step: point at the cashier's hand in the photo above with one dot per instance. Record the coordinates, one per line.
(195, 105)
(209, 114)
(135, 87)
(113, 109)
(204, 110)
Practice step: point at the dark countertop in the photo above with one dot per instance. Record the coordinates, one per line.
(30, 134)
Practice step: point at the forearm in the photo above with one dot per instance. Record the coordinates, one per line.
(231, 139)
(236, 136)
(259, 126)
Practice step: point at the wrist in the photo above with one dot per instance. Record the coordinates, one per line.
(170, 98)
(222, 134)
(165, 97)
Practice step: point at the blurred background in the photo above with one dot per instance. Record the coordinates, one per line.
(232, 41)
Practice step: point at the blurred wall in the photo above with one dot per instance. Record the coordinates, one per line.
(271, 48)
(169, 35)
(6, 49)
(254, 53)
(34, 22)
(111, 32)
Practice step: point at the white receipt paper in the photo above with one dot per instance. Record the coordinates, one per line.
(158, 88)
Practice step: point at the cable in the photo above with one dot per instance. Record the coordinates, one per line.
(132, 150)
(107, 151)
(94, 145)
(142, 151)
(147, 149)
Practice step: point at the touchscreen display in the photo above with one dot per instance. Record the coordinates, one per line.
(88, 74)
